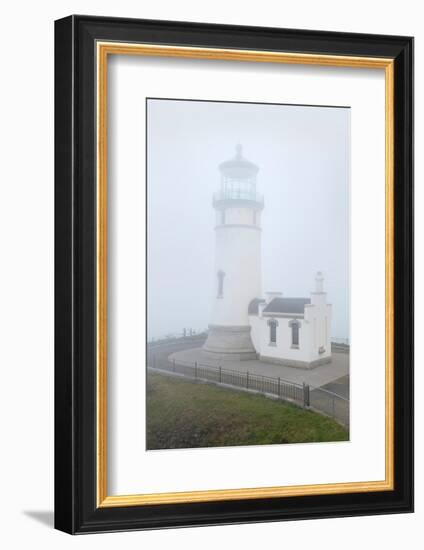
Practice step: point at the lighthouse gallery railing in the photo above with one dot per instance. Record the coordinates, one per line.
(238, 194)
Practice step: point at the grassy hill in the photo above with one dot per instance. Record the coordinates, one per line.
(184, 414)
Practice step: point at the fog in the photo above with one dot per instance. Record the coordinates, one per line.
(303, 158)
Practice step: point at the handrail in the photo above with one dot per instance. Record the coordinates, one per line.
(238, 195)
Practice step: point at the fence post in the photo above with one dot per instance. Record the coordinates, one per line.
(173, 365)
(220, 375)
(279, 387)
(154, 361)
(334, 411)
(263, 384)
(306, 400)
(247, 380)
(195, 369)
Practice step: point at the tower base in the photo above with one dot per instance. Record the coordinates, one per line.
(230, 342)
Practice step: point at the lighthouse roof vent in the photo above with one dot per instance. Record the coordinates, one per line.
(238, 167)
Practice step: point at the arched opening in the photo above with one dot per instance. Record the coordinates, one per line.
(295, 326)
(273, 324)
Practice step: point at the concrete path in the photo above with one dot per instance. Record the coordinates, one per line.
(319, 376)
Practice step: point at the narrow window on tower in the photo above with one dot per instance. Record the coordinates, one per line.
(273, 324)
(295, 325)
(222, 217)
(221, 276)
(254, 217)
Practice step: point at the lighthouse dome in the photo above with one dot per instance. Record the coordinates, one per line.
(238, 167)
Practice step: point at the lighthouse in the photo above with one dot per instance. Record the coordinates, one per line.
(237, 276)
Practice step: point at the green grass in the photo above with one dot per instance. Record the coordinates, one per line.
(183, 414)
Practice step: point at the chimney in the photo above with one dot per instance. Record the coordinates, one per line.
(319, 282)
(318, 296)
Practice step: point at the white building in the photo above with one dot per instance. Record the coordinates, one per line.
(291, 331)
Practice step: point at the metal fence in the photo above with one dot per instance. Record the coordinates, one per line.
(303, 395)
(329, 403)
(177, 338)
(173, 336)
(342, 341)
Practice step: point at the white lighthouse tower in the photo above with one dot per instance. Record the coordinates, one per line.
(237, 258)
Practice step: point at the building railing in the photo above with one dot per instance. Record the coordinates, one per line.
(303, 395)
(340, 345)
(343, 341)
(238, 194)
(185, 334)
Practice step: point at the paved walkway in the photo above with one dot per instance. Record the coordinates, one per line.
(319, 376)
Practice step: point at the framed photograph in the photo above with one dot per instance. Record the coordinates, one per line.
(234, 274)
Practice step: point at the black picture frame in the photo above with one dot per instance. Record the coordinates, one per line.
(76, 510)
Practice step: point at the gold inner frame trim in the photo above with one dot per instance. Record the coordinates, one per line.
(103, 50)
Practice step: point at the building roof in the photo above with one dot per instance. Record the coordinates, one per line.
(287, 305)
(253, 308)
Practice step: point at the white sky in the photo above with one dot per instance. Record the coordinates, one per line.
(303, 158)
